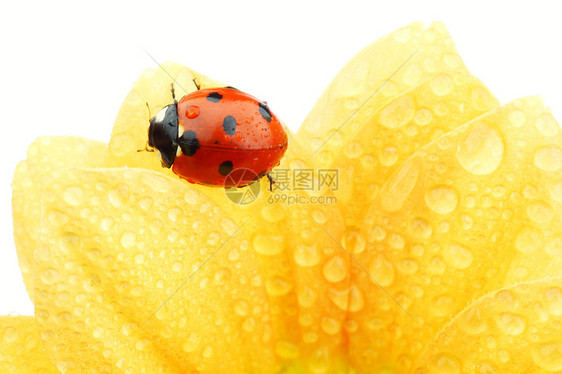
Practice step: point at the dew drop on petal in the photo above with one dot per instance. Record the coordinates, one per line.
(547, 125)
(399, 186)
(307, 255)
(528, 239)
(445, 363)
(457, 256)
(442, 199)
(549, 158)
(442, 84)
(482, 150)
(548, 356)
(398, 113)
(335, 270)
(510, 323)
(269, 245)
(540, 212)
(382, 270)
(73, 195)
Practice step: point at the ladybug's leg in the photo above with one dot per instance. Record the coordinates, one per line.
(271, 182)
(196, 84)
(173, 91)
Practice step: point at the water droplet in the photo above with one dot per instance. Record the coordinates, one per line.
(277, 286)
(466, 221)
(481, 99)
(396, 241)
(356, 299)
(353, 242)
(91, 284)
(555, 190)
(190, 344)
(242, 308)
(306, 297)
(177, 266)
(73, 196)
(540, 212)
(57, 218)
(128, 239)
(49, 276)
(553, 297)
(510, 323)
(377, 233)
(269, 245)
(191, 196)
(442, 84)
(517, 117)
(207, 351)
(339, 297)
(442, 199)
(442, 305)
(353, 150)
(307, 255)
(423, 117)
(547, 125)
(402, 35)
(382, 271)
(472, 322)
(335, 270)
(529, 239)
(319, 216)
(286, 350)
(388, 156)
(554, 247)
(420, 228)
(482, 150)
(273, 213)
(445, 363)
(398, 113)
(10, 335)
(548, 356)
(330, 326)
(398, 187)
(412, 75)
(549, 158)
(119, 195)
(249, 324)
(457, 256)
(140, 258)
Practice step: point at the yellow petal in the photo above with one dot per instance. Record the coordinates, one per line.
(153, 88)
(434, 94)
(293, 253)
(146, 275)
(20, 347)
(375, 77)
(515, 329)
(472, 212)
(44, 155)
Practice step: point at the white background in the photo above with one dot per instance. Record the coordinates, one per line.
(66, 67)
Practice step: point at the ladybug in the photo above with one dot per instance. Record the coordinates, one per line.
(219, 137)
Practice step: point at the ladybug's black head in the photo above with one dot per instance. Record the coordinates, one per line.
(163, 134)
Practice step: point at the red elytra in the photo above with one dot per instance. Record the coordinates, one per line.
(219, 137)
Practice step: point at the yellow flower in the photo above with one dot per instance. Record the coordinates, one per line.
(443, 253)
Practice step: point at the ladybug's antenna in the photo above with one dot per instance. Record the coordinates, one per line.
(196, 84)
(173, 93)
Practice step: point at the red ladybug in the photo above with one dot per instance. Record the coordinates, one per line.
(218, 137)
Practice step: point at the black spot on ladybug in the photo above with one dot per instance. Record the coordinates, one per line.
(225, 168)
(264, 111)
(188, 143)
(229, 125)
(215, 97)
